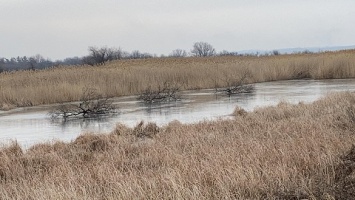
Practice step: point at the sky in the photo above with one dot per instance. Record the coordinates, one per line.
(59, 29)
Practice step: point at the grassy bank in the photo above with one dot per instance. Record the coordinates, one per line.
(127, 77)
(285, 152)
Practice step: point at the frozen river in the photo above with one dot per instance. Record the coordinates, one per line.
(33, 125)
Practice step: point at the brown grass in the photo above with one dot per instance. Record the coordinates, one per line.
(129, 77)
(282, 152)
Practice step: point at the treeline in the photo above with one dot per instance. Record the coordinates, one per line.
(34, 62)
(101, 55)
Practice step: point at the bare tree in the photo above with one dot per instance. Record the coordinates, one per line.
(34, 61)
(2, 62)
(138, 55)
(102, 55)
(275, 52)
(178, 53)
(164, 93)
(70, 61)
(203, 49)
(236, 85)
(92, 105)
(135, 54)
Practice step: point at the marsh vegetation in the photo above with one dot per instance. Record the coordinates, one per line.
(282, 152)
(132, 77)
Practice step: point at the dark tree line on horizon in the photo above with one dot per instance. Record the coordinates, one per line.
(98, 56)
(34, 62)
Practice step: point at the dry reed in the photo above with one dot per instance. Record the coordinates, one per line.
(131, 77)
(282, 152)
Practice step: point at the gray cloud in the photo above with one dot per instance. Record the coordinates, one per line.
(59, 29)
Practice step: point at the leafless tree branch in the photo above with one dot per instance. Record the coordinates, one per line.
(164, 93)
(236, 85)
(92, 105)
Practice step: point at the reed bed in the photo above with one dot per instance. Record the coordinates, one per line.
(132, 77)
(282, 152)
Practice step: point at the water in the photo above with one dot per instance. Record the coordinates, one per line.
(33, 125)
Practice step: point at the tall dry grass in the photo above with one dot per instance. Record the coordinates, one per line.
(282, 152)
(128, 77)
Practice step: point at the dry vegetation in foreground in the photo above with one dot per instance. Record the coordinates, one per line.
(282, 152)
(127, 77)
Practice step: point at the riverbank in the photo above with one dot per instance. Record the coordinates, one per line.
(132, 77)
(287, 151)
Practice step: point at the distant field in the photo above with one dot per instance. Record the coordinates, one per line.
(129, 77)
(282, 152)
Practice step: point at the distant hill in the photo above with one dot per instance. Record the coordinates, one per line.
(299, 49)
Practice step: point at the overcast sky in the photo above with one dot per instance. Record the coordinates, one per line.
(59, 29)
